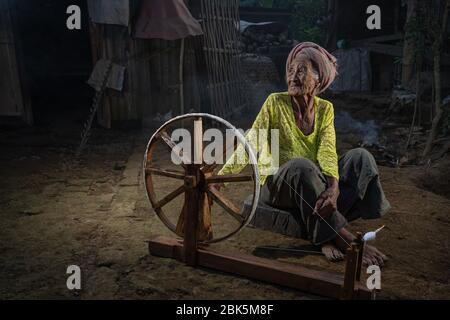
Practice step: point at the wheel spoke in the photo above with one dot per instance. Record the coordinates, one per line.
(226, 204)
(170, 197)
(174, 148)
(211, 167)
(230, 178)
(165, 172)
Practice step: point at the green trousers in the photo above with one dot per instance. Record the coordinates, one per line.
(298, 183)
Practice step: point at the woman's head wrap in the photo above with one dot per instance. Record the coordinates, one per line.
(324, 62)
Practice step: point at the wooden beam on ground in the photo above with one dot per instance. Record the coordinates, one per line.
(389, 37)
(387, 49)
(321, 283)
(373, 45)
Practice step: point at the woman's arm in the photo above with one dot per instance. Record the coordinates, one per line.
(328, 161)
(326, 152)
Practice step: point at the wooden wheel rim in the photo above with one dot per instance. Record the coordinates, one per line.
(148, 182)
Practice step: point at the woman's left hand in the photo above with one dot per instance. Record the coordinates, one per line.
(327, 202)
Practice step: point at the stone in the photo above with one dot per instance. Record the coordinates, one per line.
(31, 211)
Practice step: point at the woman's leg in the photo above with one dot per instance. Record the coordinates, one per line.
(361, 195)
(295, 188)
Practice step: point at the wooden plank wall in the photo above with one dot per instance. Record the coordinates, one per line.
(152, 77)
(114, 43)
(152, 80)
(14, 100)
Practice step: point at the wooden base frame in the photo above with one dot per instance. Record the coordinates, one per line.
(322, 283)
(194, 227)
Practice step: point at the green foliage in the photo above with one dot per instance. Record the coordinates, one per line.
(308, 20)
(308, 16)
(416, 34)
(423, 31)
(267, 3)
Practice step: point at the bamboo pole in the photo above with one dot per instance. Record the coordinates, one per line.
(181, 80)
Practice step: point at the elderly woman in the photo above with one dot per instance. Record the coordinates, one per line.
(322, 192)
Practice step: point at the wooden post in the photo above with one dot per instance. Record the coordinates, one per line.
(360, 243)
(192, 198)
(348, 288)
(190, 217)
(198, 141)
(181, 76)
(353, 266)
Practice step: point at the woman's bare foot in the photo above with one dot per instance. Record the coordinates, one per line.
(331, 252)
(371, 256)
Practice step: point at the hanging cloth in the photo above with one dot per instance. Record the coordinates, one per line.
(165, 19)
(109, 11)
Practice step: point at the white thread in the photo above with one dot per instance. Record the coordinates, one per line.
(371, 235)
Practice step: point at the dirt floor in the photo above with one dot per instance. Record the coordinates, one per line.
(94, 213)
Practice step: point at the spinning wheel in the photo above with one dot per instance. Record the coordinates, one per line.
(194, 227)
(198, 182)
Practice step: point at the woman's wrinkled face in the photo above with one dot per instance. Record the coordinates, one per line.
(301, 77)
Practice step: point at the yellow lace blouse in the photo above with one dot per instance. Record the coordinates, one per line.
(277, 113)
